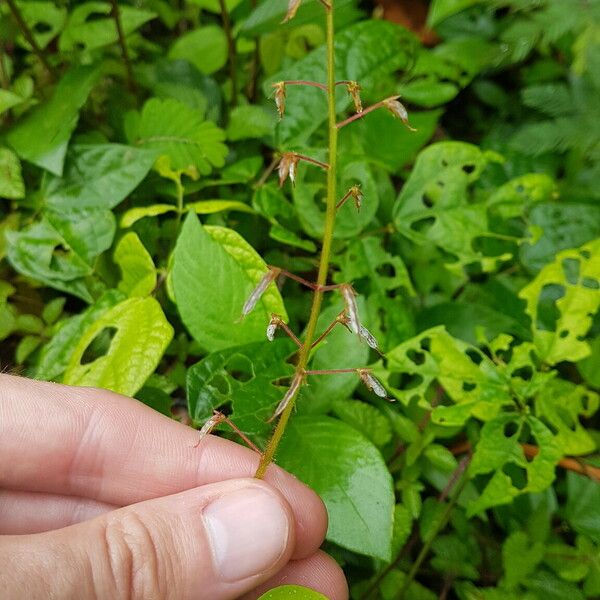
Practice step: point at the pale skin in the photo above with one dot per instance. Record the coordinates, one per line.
(102, 497)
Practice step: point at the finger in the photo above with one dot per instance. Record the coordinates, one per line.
(318, 572)
(35, 512)
(218, 541)
(116, 450)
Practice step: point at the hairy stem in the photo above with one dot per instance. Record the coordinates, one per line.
(116, 15)
(315, 310)
(231, 50)
(28, 35)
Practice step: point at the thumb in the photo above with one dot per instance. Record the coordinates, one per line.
(218, 541)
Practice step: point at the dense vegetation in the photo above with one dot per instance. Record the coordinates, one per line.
(139, 207)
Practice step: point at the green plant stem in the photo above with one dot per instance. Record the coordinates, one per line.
(231, 50)
(315, 310)
(28, 35)
(116, 14)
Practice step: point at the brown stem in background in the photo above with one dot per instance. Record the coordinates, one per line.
(116, 15)
(231, 50)
(568, 463)
(28, 35)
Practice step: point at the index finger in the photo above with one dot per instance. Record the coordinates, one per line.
(100, 445)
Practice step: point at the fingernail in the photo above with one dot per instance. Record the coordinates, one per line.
(248, 531)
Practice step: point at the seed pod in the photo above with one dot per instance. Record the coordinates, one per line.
(398, 110)
(351, 308)
(357, 196)
(372, 383)
(292, 9)
(287, 167)
(272, 327)
(353, 89)
(280, 97)
(210, 425)
(258, 291)
(291, 392)
(368, 337)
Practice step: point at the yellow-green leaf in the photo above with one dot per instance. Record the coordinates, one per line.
(138, 274)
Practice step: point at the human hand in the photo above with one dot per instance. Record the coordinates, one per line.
(102, 497)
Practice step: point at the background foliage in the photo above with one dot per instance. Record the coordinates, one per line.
(136, 215)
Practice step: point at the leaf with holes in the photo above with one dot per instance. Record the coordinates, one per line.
(500, 454)
(350, 475)
(214, 271)
(251, 378)
(172, 128)
(140, 334)
(573, 279)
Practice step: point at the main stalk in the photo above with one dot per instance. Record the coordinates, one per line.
(267, 457)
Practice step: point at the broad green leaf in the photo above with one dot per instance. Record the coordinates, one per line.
(141, 334)
(249, 122)
(561, 404)
(402, 528)
(214, 271)
(138, 274)
(90, 25)
(563, 226)
(11, 181)
(350, 475)
(292, 592)
(8, 316)
(98, 176)
(249, 377)
(582, 509)
(59, 249)
(442, 9)
(56, 354)
(500, 453)
(364, 418)
(205, 48)
(434, 206)
(589, 367)
(520, 557)
(364, 52)
(575, 274)
(170, 127)
(8, 99)
(42, 136)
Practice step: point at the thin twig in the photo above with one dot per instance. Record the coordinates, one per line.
(230, 49)
(116, 15)
(316, 84)
(28, 35)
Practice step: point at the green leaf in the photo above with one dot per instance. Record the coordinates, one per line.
(563, 226)
(210, 207)
(292, 592)
(589, 368)
(133, 215)
(575, 275)
(9, 99)
(138, 274)
(442, 9)
(42, 136)
(434, 205)
(350, 475)
(582, 509)
(205, 48)
(364, 52)
(11, 181)
(44, 19)
(170, 127)
(214, 271)
(520, 558)
(247, 122)
(56, 354)
(500, 453)
(90, 25)
(140, 335)
(247, 377)
(366, 419)
(98, 176)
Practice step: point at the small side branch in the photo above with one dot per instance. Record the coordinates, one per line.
(116, 15)
(28, 35)
(231, 50)
(316, 84)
